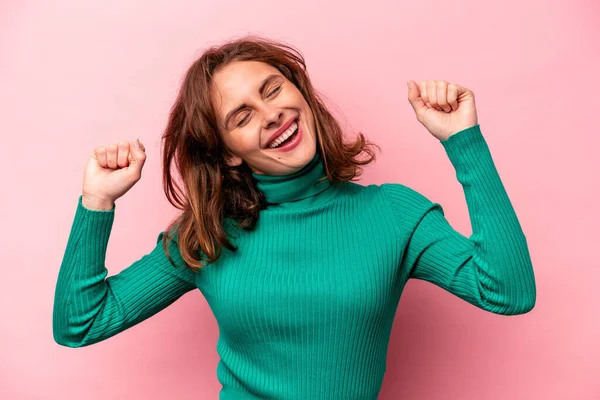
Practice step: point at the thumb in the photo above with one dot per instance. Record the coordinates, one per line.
(414, 97)
(137, 156)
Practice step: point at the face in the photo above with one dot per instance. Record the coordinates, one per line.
(255, 103)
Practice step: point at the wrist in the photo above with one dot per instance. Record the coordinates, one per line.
(95, 203)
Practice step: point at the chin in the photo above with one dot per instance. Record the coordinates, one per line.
(298, 157)
(292, 164)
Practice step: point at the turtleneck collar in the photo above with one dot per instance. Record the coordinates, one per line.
(295, 190)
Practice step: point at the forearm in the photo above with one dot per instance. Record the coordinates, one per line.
(501, 257)
(81, 290)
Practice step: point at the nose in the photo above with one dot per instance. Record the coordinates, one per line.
(272, 117)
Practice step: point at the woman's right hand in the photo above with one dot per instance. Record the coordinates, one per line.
(110, 172)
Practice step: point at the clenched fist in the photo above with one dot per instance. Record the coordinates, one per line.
(443, 108)
(110, 172)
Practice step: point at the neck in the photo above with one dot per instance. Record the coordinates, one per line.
(298, 189)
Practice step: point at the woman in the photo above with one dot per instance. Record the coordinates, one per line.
(302, 268)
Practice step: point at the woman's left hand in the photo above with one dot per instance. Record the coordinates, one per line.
(443, 108)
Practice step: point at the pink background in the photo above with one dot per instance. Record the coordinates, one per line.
(75, 75)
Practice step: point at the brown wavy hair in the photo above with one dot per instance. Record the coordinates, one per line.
(215, 192)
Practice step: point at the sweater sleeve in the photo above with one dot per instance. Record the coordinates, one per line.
(492, 268)
(89, 308)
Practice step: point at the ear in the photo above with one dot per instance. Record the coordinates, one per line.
(233, 160)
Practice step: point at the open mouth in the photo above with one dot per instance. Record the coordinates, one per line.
(287, 138)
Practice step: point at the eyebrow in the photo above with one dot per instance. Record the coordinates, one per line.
(261, 89)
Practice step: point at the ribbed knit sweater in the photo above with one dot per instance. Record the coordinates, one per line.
(305, 306)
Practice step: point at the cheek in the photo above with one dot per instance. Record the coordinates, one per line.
(304, 105)
(309, 116)
(242, 142)
(302, 100)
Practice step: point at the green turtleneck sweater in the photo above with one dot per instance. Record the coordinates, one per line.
(305, 306)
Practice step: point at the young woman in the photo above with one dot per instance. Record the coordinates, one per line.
(302, 267)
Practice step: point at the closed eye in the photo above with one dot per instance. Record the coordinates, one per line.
(242, 121)
(276, 90)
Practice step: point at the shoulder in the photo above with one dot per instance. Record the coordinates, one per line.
(407, 204)
(389, 191)
(393, 193)
(172, 263)
(171, 234)
(401, 199)
(402, 195)
(396, 194)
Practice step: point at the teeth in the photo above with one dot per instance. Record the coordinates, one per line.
(292, 129)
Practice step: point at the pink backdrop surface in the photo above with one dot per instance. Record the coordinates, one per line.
(75, 75)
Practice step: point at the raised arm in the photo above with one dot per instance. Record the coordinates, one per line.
(492, 268)
(88, 307)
